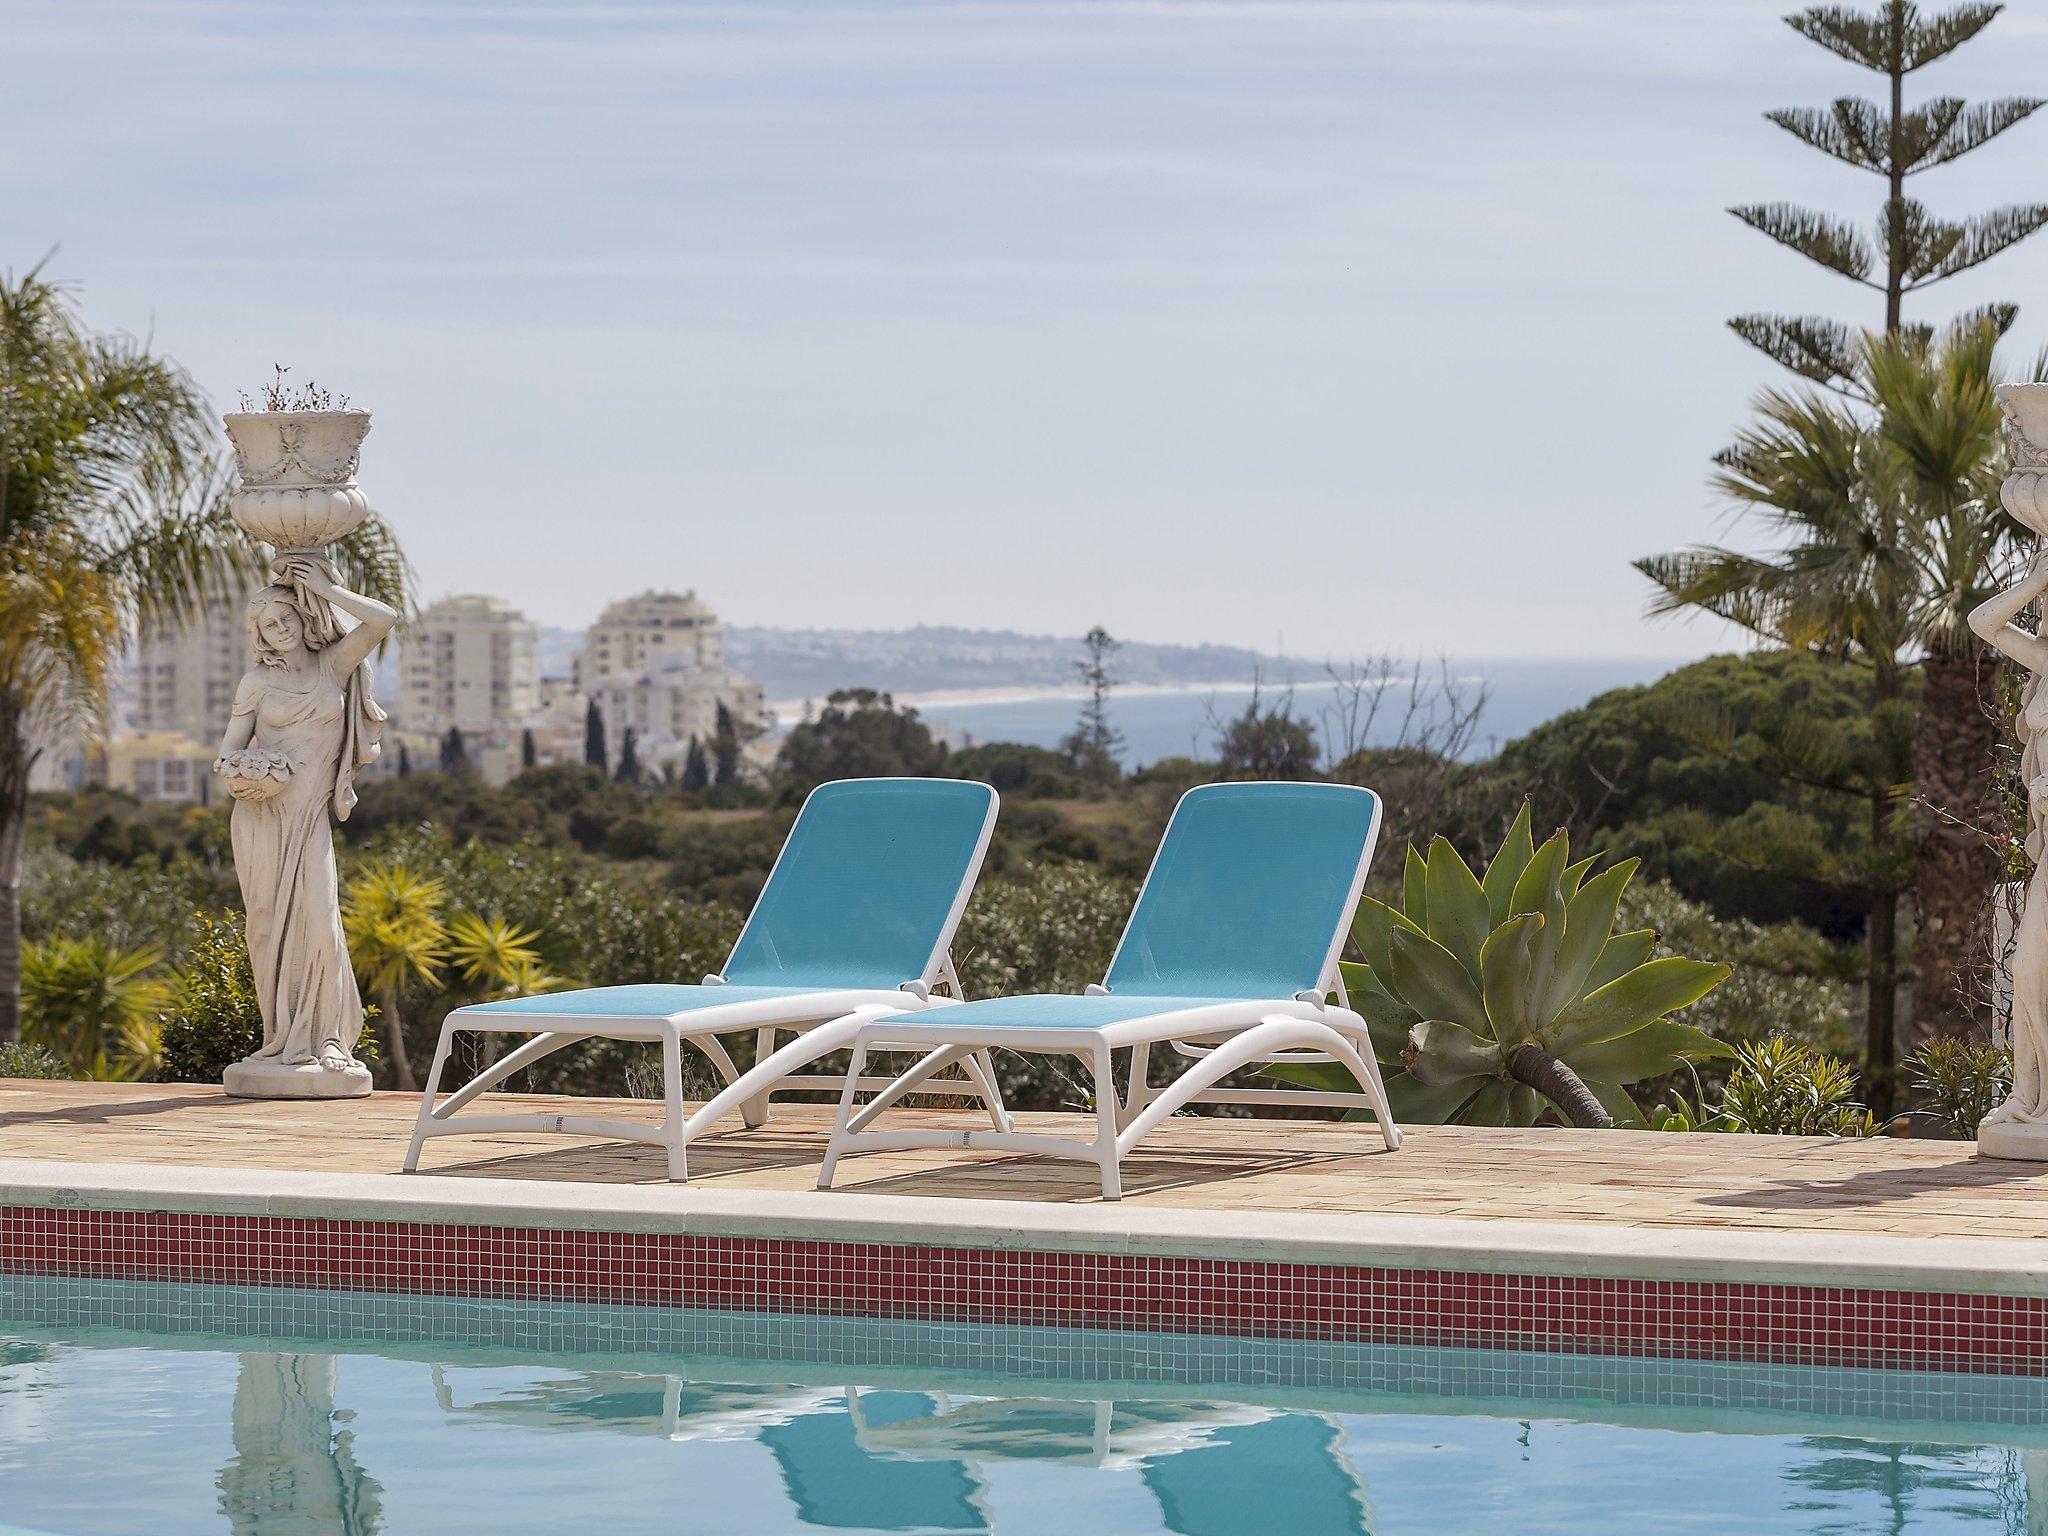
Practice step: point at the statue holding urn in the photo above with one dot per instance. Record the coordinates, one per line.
(304, 725)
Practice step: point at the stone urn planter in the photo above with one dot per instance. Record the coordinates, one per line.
(298, 471)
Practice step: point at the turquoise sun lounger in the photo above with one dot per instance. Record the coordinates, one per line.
(854, 922)
(1229, 958)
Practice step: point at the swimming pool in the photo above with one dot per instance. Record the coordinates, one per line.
(130, 1406)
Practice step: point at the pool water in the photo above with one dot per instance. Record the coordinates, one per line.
(128, 1408)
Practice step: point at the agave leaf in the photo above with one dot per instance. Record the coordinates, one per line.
(1622, 954)
(1524, 1105)
(1651, 1051)
(1441, 1052)
(1537, 889)
(1617, 1102)
(1360, 980)
(1588, 919)
(1575, 874)
(1415, 889)
(1429, 979)
(1387, 1020)
(1506, 976)
(1507, 866)
(1371, 924)
(1629, 1002)
(1458, 915)
(1491, 1104)
(1416, 1103)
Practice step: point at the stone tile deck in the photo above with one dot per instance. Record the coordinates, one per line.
(1920, 1190)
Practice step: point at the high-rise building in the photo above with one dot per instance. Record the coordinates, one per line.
(654, 632)
(655, 665)
(185, 673)
(469, 661)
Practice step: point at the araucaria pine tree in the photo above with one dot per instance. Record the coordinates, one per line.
(1909, 248)
(1094, 743)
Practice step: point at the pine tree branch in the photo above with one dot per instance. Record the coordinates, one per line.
(1930, 141)
(1852, 130)
(1812, 346)
(1821, 238)
(1928, 38)
(1931, 250)
(1875, 39)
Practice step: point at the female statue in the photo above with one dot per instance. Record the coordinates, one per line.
(1994, 623)
(304, 726)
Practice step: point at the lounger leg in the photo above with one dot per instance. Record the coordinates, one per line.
(1107, 1113)
(426, 1115)
(672, 1105)
(928, 1065)
(841, 1128)
(1139, 1093)
(755, 1111)
(982, 1068)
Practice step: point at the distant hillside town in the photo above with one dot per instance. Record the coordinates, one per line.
(472, 677)
(466, 686)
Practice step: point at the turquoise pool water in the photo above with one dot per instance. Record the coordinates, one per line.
(131, 1408)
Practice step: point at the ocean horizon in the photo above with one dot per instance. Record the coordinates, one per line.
(1183, 720)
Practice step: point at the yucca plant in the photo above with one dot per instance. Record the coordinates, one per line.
(396, 937)
(94, 1005)
(1491, 998)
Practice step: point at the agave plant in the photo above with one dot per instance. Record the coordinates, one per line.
(1490, 997)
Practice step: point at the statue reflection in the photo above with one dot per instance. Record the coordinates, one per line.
(294, 1473)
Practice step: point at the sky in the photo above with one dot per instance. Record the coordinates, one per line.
(1333, 326)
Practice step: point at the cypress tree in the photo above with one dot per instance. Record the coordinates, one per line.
(725, 747)
(629, 759)
(529, 754)
(1909, 248)
(454, 751)
(594, 752)
(696, 768)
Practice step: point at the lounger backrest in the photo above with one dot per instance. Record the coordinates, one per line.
(869, 887)
(1250, 893)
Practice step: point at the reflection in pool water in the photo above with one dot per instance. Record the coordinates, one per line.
(117, 1416)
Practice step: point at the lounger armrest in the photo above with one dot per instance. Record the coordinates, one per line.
(713, 979)
(1312, 995)
(1095, 989)
(916, 989)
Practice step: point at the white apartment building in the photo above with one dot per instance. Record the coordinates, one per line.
(655, 664)
(654, 632)
(184, 675)
(469, 661)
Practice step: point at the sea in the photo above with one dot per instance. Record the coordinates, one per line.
(1185, 720)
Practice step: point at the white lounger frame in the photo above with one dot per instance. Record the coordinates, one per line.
(823, 1022)
(1219, 1039)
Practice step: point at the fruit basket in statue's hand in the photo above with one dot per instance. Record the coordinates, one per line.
(254, 773)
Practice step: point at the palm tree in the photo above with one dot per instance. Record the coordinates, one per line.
(1940, 423)
(1841, 587)
(96, 1006)
(112, 512)
(396, 940)
(1891, 533)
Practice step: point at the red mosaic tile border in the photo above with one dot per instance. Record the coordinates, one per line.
(1669, 1319)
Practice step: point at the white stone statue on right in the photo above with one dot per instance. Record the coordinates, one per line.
(2019, 1127)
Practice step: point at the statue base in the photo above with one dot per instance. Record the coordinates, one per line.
(2013, 1139)
(308, 1080)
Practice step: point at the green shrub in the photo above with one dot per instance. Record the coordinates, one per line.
(1962, 1081)
(18, 1059)
(213, 1019)
(1779, 1087)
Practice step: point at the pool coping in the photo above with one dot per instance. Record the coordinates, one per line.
(1987, 1266)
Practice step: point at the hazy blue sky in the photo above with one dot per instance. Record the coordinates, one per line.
(1356, 325)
